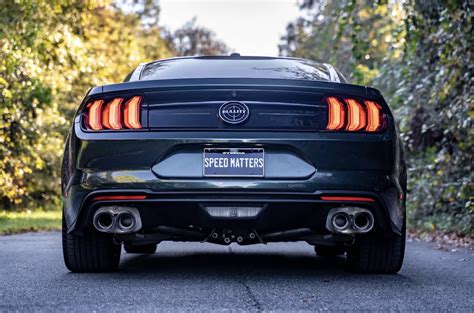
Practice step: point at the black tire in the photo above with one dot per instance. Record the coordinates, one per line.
(377, 255)
(328, 251)
(91, 252)
(144, 249)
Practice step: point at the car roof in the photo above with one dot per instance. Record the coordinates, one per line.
(233, 56)
(236, 66)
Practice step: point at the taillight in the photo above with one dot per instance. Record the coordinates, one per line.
(356, 118)
(94, 119)
(114, 115)
(336, 114)
(353, 115)
(374, 122)
(132, 113)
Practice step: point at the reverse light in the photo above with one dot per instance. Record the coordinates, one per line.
(336, 114)
(114, 115)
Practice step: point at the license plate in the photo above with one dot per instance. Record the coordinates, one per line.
(242, 162)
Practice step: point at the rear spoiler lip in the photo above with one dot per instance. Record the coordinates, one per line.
(323, 86)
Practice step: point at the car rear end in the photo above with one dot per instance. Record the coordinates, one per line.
(246, 160)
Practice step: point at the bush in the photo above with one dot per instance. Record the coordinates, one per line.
(419, 54)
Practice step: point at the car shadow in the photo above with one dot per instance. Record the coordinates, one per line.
(254, 265)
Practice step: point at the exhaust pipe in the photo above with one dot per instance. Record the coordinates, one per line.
(349, 220)
(363, 222)
(117, 220)
(104, 221)
(126, 221)
(340, 221)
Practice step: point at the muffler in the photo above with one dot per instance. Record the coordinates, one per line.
(349, 220)
(117, 220)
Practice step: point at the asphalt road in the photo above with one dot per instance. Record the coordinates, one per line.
(195, 276)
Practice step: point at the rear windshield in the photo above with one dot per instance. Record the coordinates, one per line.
(239, 68)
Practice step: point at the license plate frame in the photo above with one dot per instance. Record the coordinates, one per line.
(231, 170)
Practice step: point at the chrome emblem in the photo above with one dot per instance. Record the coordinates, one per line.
(234, 112)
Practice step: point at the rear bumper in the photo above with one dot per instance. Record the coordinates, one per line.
(279, 210)
(343, 164)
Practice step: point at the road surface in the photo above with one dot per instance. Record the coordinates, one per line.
(195, 276)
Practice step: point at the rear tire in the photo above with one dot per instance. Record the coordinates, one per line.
(377, 255)
(143, 249)
(92, 252)
(328, 251)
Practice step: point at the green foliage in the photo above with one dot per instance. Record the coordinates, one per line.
(419, 53)
(435, 102)
(51, 53)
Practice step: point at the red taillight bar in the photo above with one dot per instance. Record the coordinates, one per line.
(339, 198)
(114, 115)
(120, 197)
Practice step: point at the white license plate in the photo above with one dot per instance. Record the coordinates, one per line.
(233, 162)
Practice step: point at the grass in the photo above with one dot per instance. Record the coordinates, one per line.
(26, 221)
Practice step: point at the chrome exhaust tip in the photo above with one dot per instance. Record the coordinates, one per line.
(126, 221)
(363, 222)
(349, 220)
(117, 220)
(104, 221)
(340, 221)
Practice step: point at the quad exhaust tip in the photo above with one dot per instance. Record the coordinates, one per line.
(363, 221)
(104, 221)
(350, 220)
(117, 220)
(340, 221)
(126, 221)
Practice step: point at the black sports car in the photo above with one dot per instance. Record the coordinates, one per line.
(234, 149)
